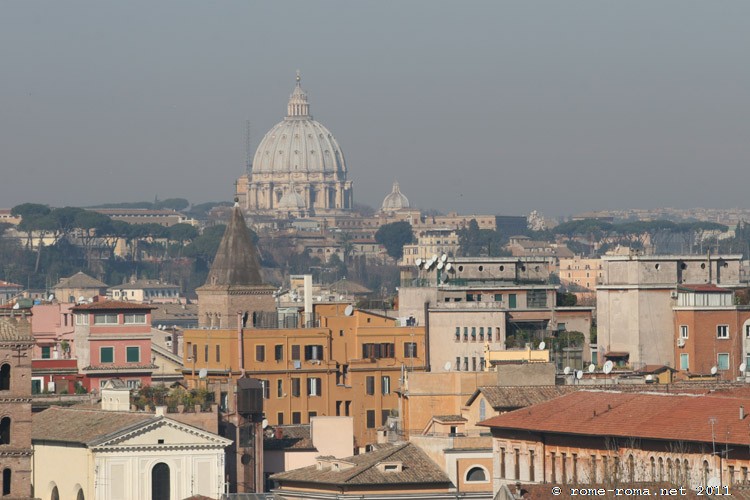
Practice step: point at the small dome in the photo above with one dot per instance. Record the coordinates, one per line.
(395, 200)
(291, 200)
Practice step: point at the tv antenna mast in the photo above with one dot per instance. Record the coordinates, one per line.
(248, 147)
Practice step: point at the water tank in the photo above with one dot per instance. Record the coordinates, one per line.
(249, 396)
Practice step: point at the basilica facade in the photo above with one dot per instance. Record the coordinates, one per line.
(298, 169)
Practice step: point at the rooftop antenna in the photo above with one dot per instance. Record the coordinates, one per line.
(248, 147)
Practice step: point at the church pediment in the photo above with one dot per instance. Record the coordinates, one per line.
(162, 433)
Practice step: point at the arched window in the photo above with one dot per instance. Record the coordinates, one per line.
(7, 476)
(653, 469)
(55, 494)
(706, 470)
(476, 475)
(670, 470)
(482, 409)
(160, 482)
(631, 468)
(5, 377)
(661, 469)
(80, 496)
(5, 430)
(678, 470)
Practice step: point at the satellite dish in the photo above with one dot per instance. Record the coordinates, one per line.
(579, 374)
(608, 367)
(592, 368)
(649, 378)
(16, 306)
(440, 265)
(203, 373)
(265, 423)
(448, 266)
(444, 278)
(542, 345)
(349, 310)
(743, 367)
(51, 297)
(566, 370)
(443, 258)
(418, 262)
(434, 257)
(714, 482)
(81, 298)
(447, 366)
(714, 369)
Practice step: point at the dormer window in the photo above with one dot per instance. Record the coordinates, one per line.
(390, 467)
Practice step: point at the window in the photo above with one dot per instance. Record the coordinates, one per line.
(295, 387)
(503, 469)
(489, 333)
(296, 417)
(370, 385)
(266, 388)
(205, 353)
(311, 414)
(498, 297)
(476, 475)
(385, 384)
(7, 480)
(105, 319)
(458, 363)
(5, 377)
(295, 353)
(260, 353)
(279, 388)
(473, 363)
(684, 361)
(466, 363)
(481, 363)
(280, 418)
(107, 354)
(46, 352)
(747, 331)
(466, 333)
(723, 361)
(481, 333)
(410, 349)
(133, 354)
(278, 352)
(683, 331)
(218, 353)
(377, 351)
(135, 318)
(370, 419)
(458, 333)
(82, 319)
(384, 414)
(531, 466)
(313, 352)
(473, 333)
(313, 386)
(722, 331)
(5, 430)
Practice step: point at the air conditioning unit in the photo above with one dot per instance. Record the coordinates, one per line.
(673, 294)
(680, 342)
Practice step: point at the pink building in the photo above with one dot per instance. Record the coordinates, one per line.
(53, 364)
(113, 340)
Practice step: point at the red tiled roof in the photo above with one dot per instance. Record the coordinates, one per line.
(678, 417)
(9, 284)
(111, 305)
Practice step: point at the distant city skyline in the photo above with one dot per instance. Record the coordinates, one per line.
(486, 107)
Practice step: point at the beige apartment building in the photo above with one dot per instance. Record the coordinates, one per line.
(582, 273)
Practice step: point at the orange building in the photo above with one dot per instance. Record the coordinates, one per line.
(344, 365)
(710, 331)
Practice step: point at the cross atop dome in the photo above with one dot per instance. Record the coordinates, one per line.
(298, 106)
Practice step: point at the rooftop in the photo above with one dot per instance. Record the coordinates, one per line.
(69, 425)
(80, 280)
(363, 469)
(112, 305)
(637, 415)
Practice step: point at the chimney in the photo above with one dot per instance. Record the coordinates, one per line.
(279, 433)
(742, 412)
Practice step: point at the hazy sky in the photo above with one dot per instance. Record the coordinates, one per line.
(484, 107)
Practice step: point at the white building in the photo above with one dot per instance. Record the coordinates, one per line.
(123, 455)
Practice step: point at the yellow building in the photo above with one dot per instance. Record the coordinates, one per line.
(345, 365)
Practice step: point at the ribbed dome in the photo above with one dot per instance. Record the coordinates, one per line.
(395, 200)
(298, 143)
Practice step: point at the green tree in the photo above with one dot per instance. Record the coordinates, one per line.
(177, 204)
(394, 236)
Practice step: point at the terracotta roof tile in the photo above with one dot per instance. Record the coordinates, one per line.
(293, 437)
(81, 426)
(417, 469)
(641, 415)
(80, 280)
